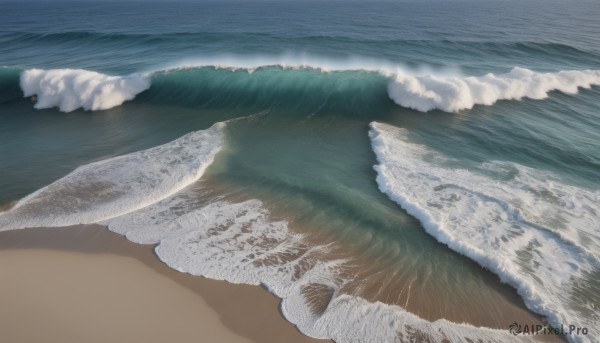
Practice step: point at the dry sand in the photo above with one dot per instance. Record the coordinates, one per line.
(87, 284)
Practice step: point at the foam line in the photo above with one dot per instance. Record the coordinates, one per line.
(539, 235)
(424, 89)
(118, 185)
(241, 243)
(325, 64)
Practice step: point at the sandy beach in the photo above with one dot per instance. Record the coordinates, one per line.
(87, 284)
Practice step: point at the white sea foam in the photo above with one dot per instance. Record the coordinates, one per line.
(538, 234)
(240, 243)
(70, 89)
(455, 93)
(151, 197)
(302, 61)
(422, 88)
(118, 185)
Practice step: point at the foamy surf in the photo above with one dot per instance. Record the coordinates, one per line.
(70, 89)
(539, 235)
(240, 242)
(118, 185)
(151, 197)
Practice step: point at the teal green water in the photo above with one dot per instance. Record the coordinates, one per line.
(301, 143)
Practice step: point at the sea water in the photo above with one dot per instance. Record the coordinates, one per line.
(391, 170)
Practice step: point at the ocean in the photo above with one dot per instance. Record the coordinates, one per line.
(394, 171)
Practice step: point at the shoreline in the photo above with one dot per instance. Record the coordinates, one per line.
(86, 282)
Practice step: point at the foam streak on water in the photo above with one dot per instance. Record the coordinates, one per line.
(118, 185)
(538, 234)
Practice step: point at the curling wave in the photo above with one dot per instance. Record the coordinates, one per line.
(309, 84)
(452, 94)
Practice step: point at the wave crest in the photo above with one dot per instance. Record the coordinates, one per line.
(453, 94)
(70, 89)
(305, 78)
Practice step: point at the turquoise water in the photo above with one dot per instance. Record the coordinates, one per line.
(299, 85)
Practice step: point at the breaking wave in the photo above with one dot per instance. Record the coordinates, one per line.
(452, 94)
(292, 82)
(70, 89)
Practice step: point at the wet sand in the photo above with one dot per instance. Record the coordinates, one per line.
(87, 284)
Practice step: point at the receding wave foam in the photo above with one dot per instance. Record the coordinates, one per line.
(239, 242)
(538, 234)
(70, 89)
(451, 94)
(118, 185)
